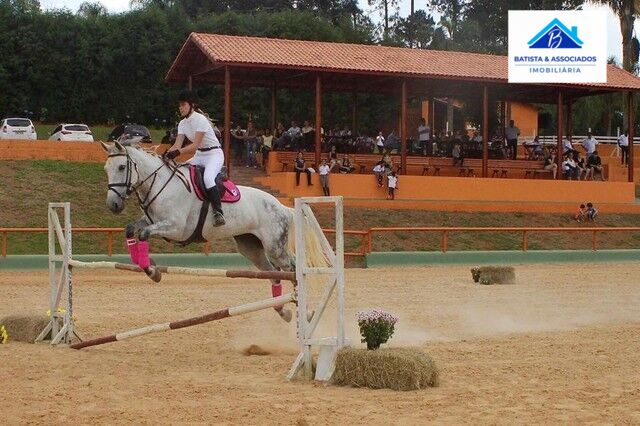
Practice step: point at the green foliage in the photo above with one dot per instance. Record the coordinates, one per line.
(376, 327)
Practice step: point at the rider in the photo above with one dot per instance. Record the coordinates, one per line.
(206, 147)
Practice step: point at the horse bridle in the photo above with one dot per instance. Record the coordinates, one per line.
(144, 204)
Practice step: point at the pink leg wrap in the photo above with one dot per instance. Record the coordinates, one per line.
(132, 246)
(276, 290)
(143, 254)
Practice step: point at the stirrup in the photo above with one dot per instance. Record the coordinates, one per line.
(218, 218)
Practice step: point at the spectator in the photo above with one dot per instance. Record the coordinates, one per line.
(392, 183)
(333, 156)
(323, 171)
(250, 142)
(301, 167)
(589, 144)
(380, 143)
(267, 146)
(567, 146)
(456, 153)
(393, 142)
(346, 166)
(592, 212)
(550, 163)
(623, 143)
(237, 142)
(295, 136)
(569, 167)
(380, 170)
(533, 149)
(582, 213)
(308, 133)
(594, 167)
(580, 164)
(424, 136)
(511, 133)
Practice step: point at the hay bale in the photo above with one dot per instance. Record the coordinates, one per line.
(24, 328)
(397, 369)
(493, 275)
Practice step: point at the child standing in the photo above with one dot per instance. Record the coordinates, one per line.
(392, 183)
(324, 171)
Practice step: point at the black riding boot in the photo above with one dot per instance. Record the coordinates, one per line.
(214, 197)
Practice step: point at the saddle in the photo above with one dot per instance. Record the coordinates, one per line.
(229, 192)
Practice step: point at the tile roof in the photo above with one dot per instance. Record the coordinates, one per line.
(358, 58)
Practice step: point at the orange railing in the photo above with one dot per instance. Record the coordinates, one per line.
(366, 244)
(525, 233)
(110, 231)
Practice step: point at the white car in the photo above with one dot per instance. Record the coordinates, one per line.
(72, 132)
(17, 128)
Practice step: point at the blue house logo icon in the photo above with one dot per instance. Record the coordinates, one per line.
(556, 35)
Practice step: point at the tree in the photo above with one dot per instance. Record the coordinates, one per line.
(417, 30)
(626, 10)
(384, 6)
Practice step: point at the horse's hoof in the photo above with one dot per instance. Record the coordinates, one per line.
(153, 272)
(285, 314)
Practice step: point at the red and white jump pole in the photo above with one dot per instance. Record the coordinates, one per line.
(217, 315)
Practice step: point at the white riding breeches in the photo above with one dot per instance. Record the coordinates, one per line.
(212, 161)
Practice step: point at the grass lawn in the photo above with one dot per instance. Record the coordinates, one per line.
(33, 184)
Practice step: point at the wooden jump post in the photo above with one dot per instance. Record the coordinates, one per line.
(61, 328)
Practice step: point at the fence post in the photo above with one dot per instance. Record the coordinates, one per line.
(445, 241)
(110, 243)
(525, 241)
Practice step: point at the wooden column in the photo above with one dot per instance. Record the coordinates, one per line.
(432, 117)
(569, 119)
(354, 113)
(503, 117)
(485, 131)
(631, 126)
(227, 119)
(560, 123)
(403, 128)
(318, 119)
(274, 106)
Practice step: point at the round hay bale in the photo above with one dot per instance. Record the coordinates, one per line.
(494, 275)
(397, 369)
(24, 328)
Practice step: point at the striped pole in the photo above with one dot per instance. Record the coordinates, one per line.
(217, 315)
(203, 272)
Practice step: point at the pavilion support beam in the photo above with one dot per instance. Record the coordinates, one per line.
(354, 113)
(485, 131)
(403, 128)
(227, 118)
(569, 119)
(318, 136)
(431, 120)
(631, 125)
(560, 128)
(274, 106)
(503, 114)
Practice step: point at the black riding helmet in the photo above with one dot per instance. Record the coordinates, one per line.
(188, 96)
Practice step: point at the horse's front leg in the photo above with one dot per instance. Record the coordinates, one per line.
(162, 228)
(130, 234)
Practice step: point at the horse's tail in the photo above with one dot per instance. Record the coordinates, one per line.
(314, 252)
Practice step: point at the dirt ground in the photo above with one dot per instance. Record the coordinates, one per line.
(560, 345)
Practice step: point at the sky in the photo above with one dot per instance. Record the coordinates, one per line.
(614, 40)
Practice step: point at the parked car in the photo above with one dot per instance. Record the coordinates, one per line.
(130, 133)
(72, 132)
(17, 128)
(171, 135)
